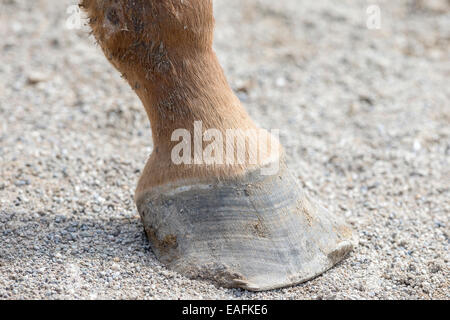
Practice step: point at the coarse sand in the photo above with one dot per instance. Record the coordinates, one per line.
(364, 115)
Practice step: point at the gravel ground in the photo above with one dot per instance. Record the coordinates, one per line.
(364, 115)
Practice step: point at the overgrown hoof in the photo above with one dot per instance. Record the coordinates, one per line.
(256, 232)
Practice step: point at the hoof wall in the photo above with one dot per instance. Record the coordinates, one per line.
(256, 232)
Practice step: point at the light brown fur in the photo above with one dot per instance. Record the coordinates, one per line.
(163, 48)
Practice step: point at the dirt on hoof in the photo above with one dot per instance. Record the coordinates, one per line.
(257, 240)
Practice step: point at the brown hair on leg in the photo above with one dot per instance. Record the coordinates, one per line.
(164, 50)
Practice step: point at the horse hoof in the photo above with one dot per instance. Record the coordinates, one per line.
(254, 232)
